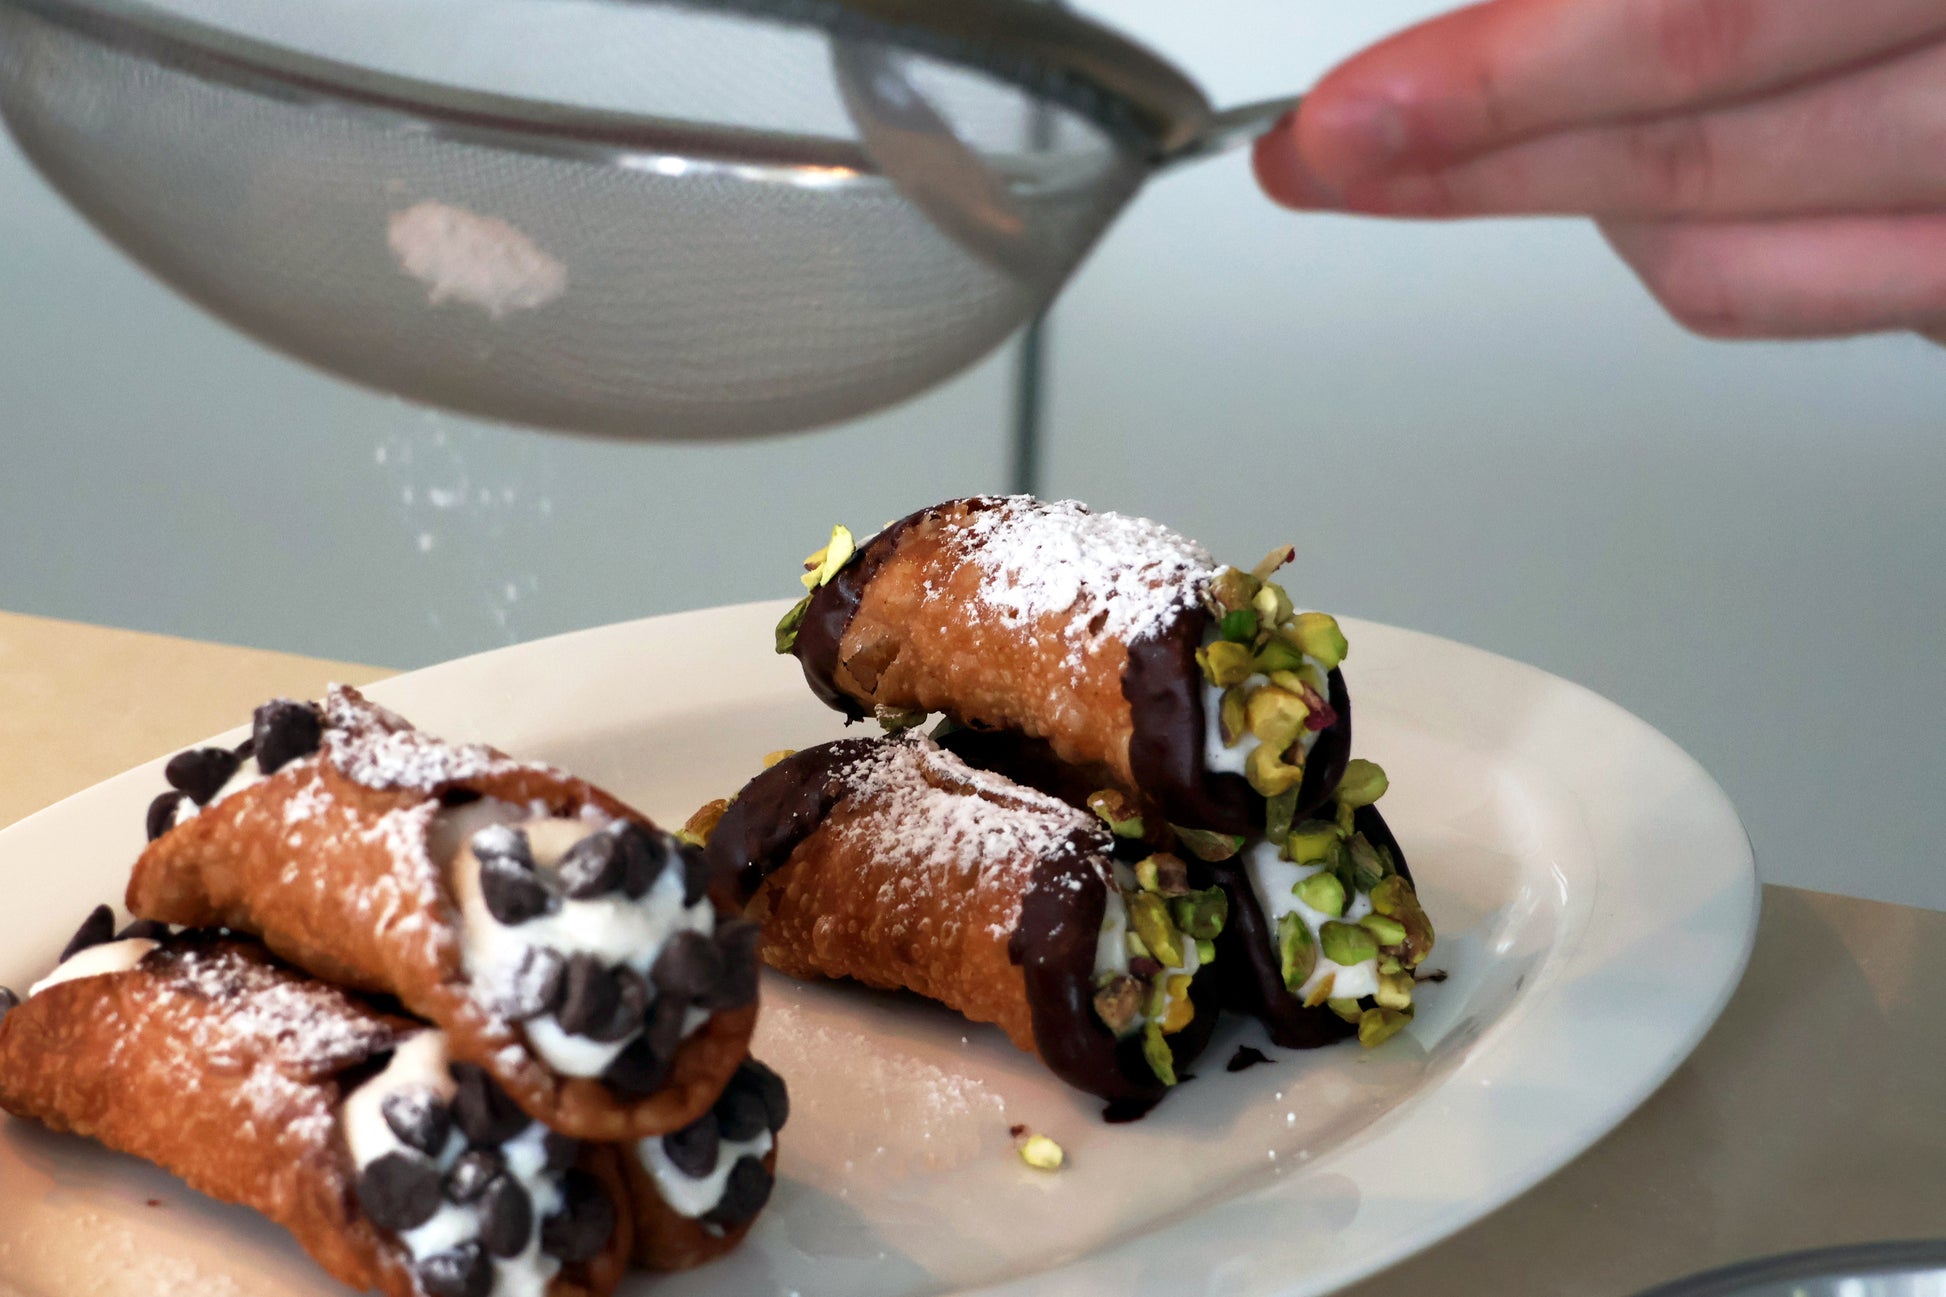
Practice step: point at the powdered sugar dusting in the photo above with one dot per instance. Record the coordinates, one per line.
(949, 818)
(380, 749)
(1129, 576)
(257, 1010)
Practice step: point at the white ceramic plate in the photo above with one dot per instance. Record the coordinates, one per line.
(1595, 899)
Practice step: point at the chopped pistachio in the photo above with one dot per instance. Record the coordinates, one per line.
(1388, 963)
(1321, 992)
(1118, 1002)
(1376, 1026)
(1364, 782)
(1314, 678)
(1311, 842)
(1297, 953)
(1155, 1049)
(1163, 873)
(1233, 716)
(772, 758)
(1205, 951)
(1269, 773)
(1367, 866)
(1272, 561)
(1123, 820)
(1347, 943)
(1347, 818)
(1239, 625)
(1390, 932)
(1225, 662)
(820, 567)
(1206, 844)
(1272, 605)
(1275, 716)
(1291, 682)
(1318, 635)
(1201, 914)
(1322, 892)
(1276, 655)
(895, 719)
(1395, 899)
(1394, 991)
(947, 725)
(703, 822)
(1230, 590)
(788, 625)
(1346, 1009)
(1278, 813)
(1181, 1010)
(1149, 916)
(1041, 1153)
(1137, 948)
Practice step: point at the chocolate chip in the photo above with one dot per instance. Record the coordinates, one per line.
(689, 966)
(744, 1194)
(98, 927)
(8, 1002)
(538, 984)
(472, 1174)
(664, 1026)
(580, 1230)
(462, 1272)
(643, 856)
(283, 731)
(162, 813)
(201, 772)
(399, 1191)
(246, 749)
(592, 867)
(695, 872)
(631, 1005)
(770, 1087)
(561, 1150)
(143, 930)
(418, 1118)
(512, 890)
(1246, 1057)
(736, 941)
(639, 1069)
(588, 1003)
(451, 797)
(693, 1148)
(740, 1110)
(506, 1217)
(485, 1114)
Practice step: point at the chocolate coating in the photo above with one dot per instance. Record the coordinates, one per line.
(97, 928)
(830, 612)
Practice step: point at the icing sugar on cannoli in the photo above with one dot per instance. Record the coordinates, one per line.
(561, 941)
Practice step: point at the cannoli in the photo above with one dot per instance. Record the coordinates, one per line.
(1290, 956)
(393, 1166)
(1197, 688)
(557, 937)
(893, 862)
(698, 1190)
(1326, 932)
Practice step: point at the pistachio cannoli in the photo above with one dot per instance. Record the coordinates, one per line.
(1197, 688)
(394, 1166)
(893, 862)
(560, 940)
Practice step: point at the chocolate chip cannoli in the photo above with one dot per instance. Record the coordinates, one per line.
(394, 1166)
(698, 1190)
(894, 862)
(559, 939)
(1326, 931)
(1197, 688)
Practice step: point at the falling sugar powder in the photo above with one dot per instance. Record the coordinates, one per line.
(1129, 576)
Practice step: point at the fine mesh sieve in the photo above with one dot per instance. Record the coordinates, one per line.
(662, 218)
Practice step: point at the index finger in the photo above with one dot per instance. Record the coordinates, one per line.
(1511, 69)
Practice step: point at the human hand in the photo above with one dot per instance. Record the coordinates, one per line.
(1770, 168)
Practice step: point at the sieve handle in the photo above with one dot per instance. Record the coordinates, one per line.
(1232, 128)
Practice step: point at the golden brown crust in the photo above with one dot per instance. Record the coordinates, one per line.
(335, 876)
(911, 645)
(666, 1240)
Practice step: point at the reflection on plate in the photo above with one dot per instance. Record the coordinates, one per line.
(1595, 899)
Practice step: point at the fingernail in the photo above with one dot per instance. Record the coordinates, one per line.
(1369, 128)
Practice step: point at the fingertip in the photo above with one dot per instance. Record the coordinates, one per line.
(1282, 172)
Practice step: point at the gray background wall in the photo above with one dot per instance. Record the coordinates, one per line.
(1484, 430)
